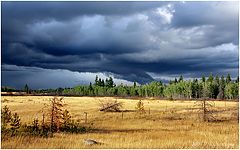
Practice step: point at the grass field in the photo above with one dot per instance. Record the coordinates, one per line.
(170, 124)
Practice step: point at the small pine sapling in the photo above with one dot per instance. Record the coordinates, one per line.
(140, 107)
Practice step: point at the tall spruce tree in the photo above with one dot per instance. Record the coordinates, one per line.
(180, 78)
(228, 79)
(203, 78)
(96, 81)
(210, 78)
(237, 80)
(26, 89)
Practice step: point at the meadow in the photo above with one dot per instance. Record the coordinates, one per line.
(165, 124)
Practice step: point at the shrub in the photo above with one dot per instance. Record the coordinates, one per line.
(34, 130)
(10, 123)
(70, 125)
(58, 121)
(73, 127)
(66, 119)
(140, 106)
(15, 121)
(6, 116)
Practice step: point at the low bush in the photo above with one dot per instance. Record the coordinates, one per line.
(11, 126)
(73, 127)
(140, 107)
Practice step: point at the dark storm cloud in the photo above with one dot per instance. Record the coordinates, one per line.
(131, 40)
(18, 16)
(32, 11)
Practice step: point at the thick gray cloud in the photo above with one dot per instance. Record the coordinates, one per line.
(135, 41)
(221, 17)
(32, 11)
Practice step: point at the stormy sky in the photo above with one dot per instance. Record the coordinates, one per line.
(53, 44)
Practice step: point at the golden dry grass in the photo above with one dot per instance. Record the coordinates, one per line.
(170, 124)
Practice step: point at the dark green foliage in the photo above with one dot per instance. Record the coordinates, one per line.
(90, 90)
(228, 79)
(100, 82)
(217, 79)
(203, 78)
(35, 129)
(134, 84)
(73, 127)
(237, 80)
(212, 87)
(210, 78)
(109, 82)
(231, 91)
(70, 125)
(96, 81)
(180, 78)
(195, 89)
(59, 91)
(8, 89)
(26, 89)
(175, 80)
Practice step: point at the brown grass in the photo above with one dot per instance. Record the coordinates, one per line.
(170, 124)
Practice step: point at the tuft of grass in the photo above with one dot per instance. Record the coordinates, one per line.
(5, 100)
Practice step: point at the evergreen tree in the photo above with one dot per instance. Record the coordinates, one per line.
(96, 81)
(206, 90)
(134, 84)
(26, 89)
(15, 122)
(107, 83)
(213, 87)
(222, 82)
(237, 80)
(203, 78)
(90, 89)
(175, 80)
(210, 78)
(194, 88)
(102, 83)
(217, 79)
(180, 78)
(228, 79)
(6, 116)
(221, 88)
(111, 83)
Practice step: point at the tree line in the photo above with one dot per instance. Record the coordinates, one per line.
(213, 87)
